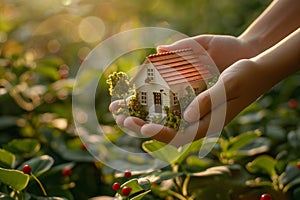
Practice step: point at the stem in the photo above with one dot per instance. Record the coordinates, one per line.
(40, 184)
(228, 132)
(185, 185)
(22, 195)
(177, 195)
(176, 181)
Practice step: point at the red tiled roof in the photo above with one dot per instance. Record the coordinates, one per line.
(179, 66)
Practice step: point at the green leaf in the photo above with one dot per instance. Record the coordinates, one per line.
(161, 151)
(14, 178)
(276, 132)
(291, 173)
(48, 67)
(71, 154)
(140, 196)
(7, 121)
(264, 164)
(189, 148)
(252, 117)
(256, 146)
(291, 184)
(133, 184)
(40, 164)
(48, 71)
(213, 171)
(7, 159)
(51, 198)
(242, 140)
(23, 146)
(159, 176)
(259, 183)
(194, 163)
(58, 168)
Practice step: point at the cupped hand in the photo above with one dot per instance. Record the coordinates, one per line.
(237, 87)
(208, 116)
(223, 49)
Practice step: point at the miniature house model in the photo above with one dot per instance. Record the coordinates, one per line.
(163, 78)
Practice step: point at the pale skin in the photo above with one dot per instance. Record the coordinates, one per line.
(267, 52)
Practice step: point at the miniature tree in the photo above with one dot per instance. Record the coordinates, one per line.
(172, 120)
(120, 88)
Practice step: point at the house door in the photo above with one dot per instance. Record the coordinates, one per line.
(157, 102)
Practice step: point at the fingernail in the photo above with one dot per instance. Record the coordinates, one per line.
(162, 48)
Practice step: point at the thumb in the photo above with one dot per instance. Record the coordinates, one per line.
(206, 102)
(164, 48)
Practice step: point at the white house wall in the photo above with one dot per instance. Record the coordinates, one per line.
(158, 84)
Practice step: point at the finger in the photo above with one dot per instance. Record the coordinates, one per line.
(193, 132)
(186, 43)
(199, 47)
(168, 135)
(114, 106)
(205, 102)
(120, 119)
(133, 123)
(158, 132)
(212, 123)
(163, 48)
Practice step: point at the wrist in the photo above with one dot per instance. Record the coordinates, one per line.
(253, 43)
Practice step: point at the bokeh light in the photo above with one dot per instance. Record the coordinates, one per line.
(91, 29)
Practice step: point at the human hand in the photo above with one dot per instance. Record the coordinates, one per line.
(223, 49)
(211, 110)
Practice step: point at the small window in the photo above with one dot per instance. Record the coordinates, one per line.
(150, 74)
(144, 98)
(197, 90)
(175, 99)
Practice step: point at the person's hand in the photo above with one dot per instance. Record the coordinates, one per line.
(223, 49)
(211, 110)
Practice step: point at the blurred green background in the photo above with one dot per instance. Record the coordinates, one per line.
(63, 32)
(44, 42)
(71, 28)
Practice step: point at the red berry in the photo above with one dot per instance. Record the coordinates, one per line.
(298, 164)
(83, 147)
(126, 190)
(116, 186)
(26, 169)
(265, 197)
(66, 171)
(293, 103)
(127, 174)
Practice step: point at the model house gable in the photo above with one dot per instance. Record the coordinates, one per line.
(164, 77)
